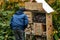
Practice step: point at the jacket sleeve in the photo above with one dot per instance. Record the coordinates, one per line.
(26, 21)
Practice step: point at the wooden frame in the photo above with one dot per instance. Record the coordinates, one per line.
(49, 26)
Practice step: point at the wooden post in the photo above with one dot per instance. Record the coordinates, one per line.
(49, 26)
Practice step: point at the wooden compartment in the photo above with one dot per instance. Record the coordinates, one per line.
(38, 29)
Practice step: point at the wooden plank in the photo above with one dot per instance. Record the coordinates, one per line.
(29, 15)
(33, 6)
(38, 29)
(49, 27)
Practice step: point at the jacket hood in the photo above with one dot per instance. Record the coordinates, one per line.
(20, 11)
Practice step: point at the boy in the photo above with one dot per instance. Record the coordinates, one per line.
(18, 23)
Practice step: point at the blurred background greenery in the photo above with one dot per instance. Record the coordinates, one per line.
(8, 8)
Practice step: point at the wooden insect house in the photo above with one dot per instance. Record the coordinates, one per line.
(40, 22)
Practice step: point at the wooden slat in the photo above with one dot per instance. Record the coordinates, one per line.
(29, 15)
(33, 6)
(49, 27)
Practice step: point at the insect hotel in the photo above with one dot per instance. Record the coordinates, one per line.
(40, 22)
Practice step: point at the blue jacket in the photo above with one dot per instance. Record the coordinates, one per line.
(19, 21)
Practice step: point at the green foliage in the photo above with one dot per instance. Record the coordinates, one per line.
(56, 37)
(5, 31)
(5, 15)
(56, 17)
(8, 9)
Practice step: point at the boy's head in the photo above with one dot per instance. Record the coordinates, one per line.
(22, 9)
